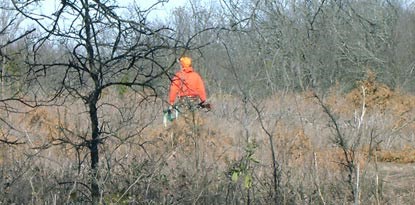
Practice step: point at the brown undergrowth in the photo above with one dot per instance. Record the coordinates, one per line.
(375, 97)
(378, 97)
(188, 135)
(190, 153)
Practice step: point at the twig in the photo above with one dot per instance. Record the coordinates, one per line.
(317, 179)
(363, 107)
(356, 196)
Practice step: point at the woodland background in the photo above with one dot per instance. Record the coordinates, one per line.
(313, 103)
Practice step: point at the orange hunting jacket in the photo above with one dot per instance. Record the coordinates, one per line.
(187, 83)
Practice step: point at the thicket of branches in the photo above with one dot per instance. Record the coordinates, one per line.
(314, 44)
(114, 65)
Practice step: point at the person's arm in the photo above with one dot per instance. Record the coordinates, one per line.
(174, 89)
(201, 89)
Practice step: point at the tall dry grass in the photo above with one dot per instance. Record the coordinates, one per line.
(224, 158)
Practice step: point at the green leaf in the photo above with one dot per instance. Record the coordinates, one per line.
(248, 181)
(235, 176)
(254, 160)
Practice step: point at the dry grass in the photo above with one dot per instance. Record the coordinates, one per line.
(188, 163)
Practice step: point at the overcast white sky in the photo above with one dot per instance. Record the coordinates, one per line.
(160, 11)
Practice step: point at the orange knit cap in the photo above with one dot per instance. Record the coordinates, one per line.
(185, 62)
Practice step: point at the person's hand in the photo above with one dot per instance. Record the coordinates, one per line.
(206, 105)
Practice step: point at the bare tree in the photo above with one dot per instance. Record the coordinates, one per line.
(98, 49)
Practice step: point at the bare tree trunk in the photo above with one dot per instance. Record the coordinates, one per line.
(93, 147)
(2, 73)
(92, 104)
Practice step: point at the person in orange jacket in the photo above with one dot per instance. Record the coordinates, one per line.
(187, 84)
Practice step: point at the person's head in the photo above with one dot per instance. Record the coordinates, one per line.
(185, 62)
